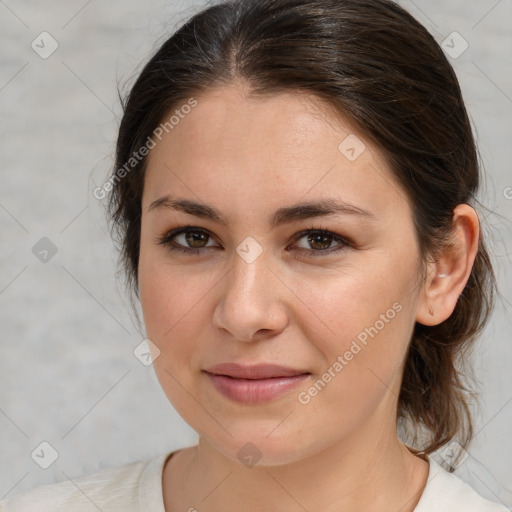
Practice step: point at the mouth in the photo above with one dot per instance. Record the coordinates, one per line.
(254, 372)
(254, 384)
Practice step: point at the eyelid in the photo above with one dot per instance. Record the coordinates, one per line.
(180, 230)
(343, 241)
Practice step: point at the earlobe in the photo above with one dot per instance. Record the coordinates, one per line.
(451, 271)
(430, 312)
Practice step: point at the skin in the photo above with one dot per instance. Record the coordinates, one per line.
(248, 157)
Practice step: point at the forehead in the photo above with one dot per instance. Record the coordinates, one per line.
(262, 150)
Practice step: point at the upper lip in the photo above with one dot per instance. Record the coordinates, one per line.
(259, 371)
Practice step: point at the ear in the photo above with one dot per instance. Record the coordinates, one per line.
(448, 276)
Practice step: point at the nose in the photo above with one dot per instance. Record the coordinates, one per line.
(252, 301)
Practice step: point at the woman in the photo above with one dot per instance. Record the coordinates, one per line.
(294, 194)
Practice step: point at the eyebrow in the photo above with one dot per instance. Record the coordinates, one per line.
(284, 215)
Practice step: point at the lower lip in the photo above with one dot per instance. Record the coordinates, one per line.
(254, 391)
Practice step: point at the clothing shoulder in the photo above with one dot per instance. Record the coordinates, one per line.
(446, 492)
(110, 490)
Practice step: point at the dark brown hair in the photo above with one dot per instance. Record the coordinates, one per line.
(374, 63)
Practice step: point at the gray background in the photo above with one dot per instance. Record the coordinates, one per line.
(68, 375)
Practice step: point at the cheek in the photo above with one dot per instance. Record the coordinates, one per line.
(174, 308)
(361, 323)
(361, 357)
(171, 308)
(342, 306)
(165, 294)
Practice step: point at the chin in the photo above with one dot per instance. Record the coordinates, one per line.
(252, 448)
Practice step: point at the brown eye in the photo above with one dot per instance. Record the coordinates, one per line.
(193, 240)
(319, 242)
(187, 239)
(196, 239)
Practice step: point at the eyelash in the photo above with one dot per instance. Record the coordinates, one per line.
(167, 239)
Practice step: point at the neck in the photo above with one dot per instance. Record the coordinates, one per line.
(351, 475)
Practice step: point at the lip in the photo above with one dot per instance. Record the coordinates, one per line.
(254, 384)
(258, 371)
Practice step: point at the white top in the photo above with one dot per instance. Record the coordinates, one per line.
(137, 487)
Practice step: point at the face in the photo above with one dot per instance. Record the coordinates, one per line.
(338, 305)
